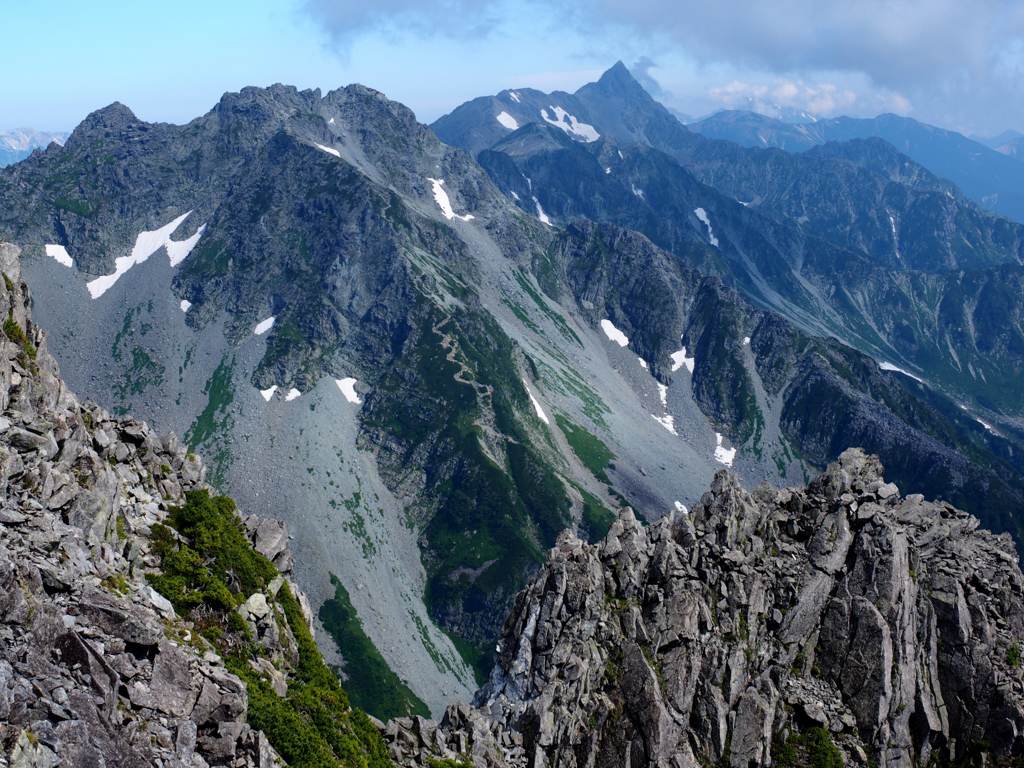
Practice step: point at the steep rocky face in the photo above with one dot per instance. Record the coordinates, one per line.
(730, 634)
(96, 666)
(852, 239)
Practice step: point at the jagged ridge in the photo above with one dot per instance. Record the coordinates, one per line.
(711, 638)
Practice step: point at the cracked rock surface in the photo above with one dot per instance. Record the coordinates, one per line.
(95, 667)
(888, 622)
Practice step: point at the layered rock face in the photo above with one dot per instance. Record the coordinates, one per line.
(888, 623)
(95, 667)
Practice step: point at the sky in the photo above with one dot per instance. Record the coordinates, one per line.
(949, 63)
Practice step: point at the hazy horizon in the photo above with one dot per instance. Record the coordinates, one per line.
(960, 68)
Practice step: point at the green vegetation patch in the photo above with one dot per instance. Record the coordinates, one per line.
(218, 566)
(813, 748)
(212, 426)
(371, 685)
(13, 332)
(591, 450)
(214, 565)
(314, 726)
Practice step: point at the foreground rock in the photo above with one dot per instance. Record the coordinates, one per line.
(95, 667)
(891, 623)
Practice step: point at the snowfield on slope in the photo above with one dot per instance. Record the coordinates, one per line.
(146, 244)
(441, 198)
(572, 126)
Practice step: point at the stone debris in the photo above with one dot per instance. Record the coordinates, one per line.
(706, 638)
(95, 667)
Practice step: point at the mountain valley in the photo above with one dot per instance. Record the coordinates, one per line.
(428, 351)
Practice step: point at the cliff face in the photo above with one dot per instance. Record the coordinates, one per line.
(841, 617)
(96, 668)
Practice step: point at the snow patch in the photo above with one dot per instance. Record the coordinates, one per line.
(667, 422)
(146, 244)
(620, 155)
(890, 367)
(348, 389)
(638, 192)
(680, 507)
(572, 125)
(268, 393)
(60, 253)
(746, 341)
(662, 393)
(329, 150)
(613, 333)
(515, 196)
(723, 455)
(607, 170)
(292, 394)
(441, 198)
(643, 363)
(508, 121)
(515, 96)
(536, 405)
(540, 212)
(703, 216)
(679, 359)
(331, 121)
(264, 326)
(185, 305)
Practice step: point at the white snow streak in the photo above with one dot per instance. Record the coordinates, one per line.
(613, 333)
(515, 96)
(890, 367)
(680, 507)
(643, 363)
(441, 198)
(540, 212)
(268, 393)
(185, 304)
(536, 406)
(292, 394)
(329, 150)
(146, 244)
(264, 326)
(662, 393)
(572, 125)
(723, 455)
(515, 196)
(348, 389)
(508, 121)
(679, 359)
(667, 422)
(638, 192)
(60, 253)
(703, 216)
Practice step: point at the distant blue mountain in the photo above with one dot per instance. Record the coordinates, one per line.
(19, 143)
(992, 179)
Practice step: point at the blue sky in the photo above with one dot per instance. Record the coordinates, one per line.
(947, 62)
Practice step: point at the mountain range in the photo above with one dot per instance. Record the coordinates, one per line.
(18, 144)
(992, 176)
(430, 350)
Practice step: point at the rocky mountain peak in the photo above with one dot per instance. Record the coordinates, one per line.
(618, 81)
(113, 120)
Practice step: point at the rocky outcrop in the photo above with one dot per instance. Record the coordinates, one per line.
(891, 623)
(95, 666)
